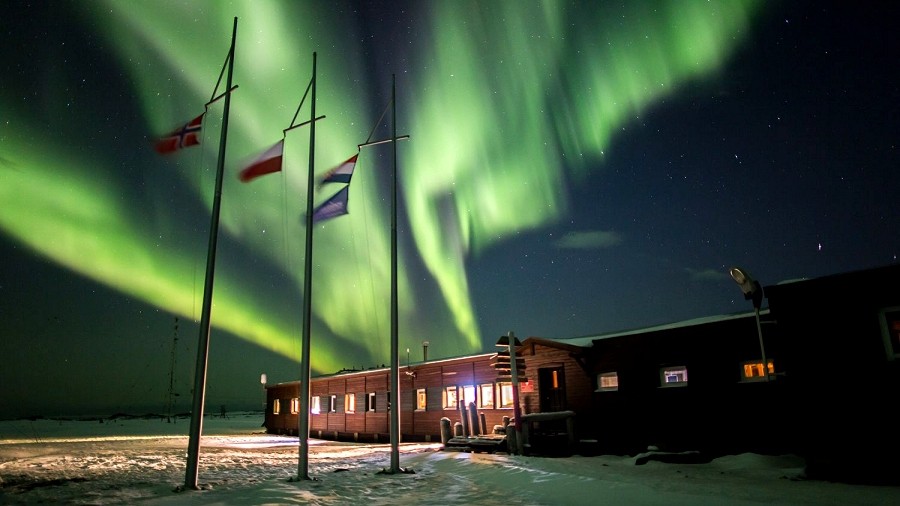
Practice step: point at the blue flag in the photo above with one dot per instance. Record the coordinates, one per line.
(334, 206)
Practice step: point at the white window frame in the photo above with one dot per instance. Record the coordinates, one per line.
(611, 380)
(421, 399)
(505, 395)
(674, 376)
(332, 403)
(315, 405)
(486, 396)
(450, 397)
(276, 407)
(370, 401)
(349, 403)
(295, 405)
(468, 395)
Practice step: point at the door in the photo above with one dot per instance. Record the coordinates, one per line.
(552, 386)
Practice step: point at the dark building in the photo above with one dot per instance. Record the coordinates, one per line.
(697, 385)
(831, 346)
(841, 340)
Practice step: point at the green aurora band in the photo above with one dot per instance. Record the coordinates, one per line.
(497, 114)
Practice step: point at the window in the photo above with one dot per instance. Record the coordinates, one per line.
(607, 382)
(295, 406)
(370, 401)
(504, 395)
(451, 401)
(676, 376)
(349, 403)
(468, 395)
(890, 330)
(315, 405)
(420, 399)
(486, 395)
(276, 407)
(555, 379)
(332, 403)
(753, 370)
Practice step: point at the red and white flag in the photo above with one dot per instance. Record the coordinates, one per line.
(266, 163)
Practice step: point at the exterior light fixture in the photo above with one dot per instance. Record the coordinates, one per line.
(263, 380)
(752, 291)
(751, 288)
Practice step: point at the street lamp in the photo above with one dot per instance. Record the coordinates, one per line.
(262, 381)
(752, 291)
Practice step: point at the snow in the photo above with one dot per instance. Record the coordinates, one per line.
(130, 460)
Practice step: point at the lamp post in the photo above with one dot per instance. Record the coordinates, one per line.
(263, 380)
(752, 291)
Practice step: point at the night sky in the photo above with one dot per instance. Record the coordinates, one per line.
(572, 168)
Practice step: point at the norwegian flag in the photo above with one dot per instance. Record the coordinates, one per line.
(182, 137)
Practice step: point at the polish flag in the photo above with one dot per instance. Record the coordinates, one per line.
(266, 163)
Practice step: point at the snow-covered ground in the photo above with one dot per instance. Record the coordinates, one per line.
(127, 461)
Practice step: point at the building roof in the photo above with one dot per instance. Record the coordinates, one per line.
(587, 341)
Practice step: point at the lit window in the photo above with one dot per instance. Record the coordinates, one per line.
(315, 405)
(295, 406)
(420, 399)
(349, 403)
(370, 401)
(555, 379)
(468, 395)
(890, 331)
(486, 395)
(332, 403)
(276, 407)
(673, 376)
(505, 395)
(753, 370)
(451, 401)
(607, 382)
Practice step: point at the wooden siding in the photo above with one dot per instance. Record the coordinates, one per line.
(823, 335)
(415, 425)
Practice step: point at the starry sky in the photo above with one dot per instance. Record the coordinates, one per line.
(572, 168)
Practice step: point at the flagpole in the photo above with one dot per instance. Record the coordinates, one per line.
(394, 386)
(190, 477)
(395, 367)
(303, 430)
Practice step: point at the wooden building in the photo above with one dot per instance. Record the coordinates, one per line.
(832, 348)
(354, 405)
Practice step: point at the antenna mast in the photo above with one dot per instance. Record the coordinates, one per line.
(171, 398)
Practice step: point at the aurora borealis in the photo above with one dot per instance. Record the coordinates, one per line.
(572, 168)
